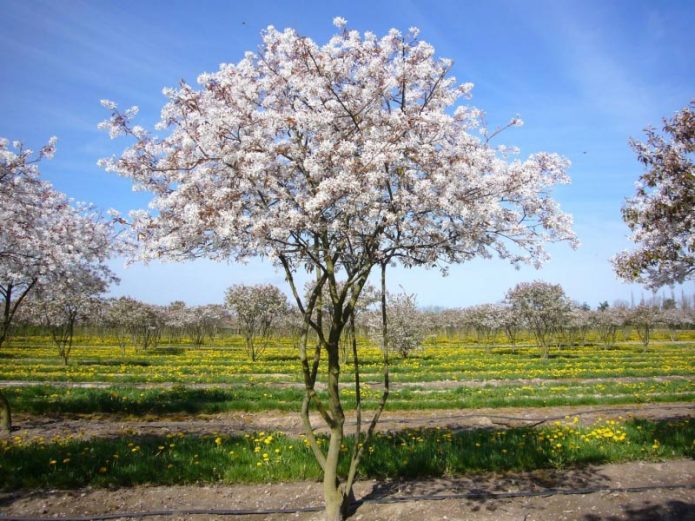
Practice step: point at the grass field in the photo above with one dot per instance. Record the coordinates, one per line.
(447, 374)
(273, 457)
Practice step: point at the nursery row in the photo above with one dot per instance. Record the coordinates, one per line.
(175, 458)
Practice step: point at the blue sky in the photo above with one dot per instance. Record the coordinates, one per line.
(584, 76)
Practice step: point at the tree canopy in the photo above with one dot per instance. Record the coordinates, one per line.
(661, 214)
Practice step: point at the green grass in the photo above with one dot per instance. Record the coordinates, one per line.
(46, 399)
(180, 459)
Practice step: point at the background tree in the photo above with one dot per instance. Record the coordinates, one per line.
(146, 324)
(337, 159)
(674, 318)
(487, 321)
(661, 215)
(205, 321)
(119, 318)
(608, 321)
(512, 324)
(543, 307)
(42, 236)
(256, 309)
(644, 319)
(406, 328)
(175, 318)
(577, 324)
(67, 302)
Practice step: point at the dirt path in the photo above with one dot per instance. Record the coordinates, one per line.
(290, 383)
(288, 422)
(617, 492)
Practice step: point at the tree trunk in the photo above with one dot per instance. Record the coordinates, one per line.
(5, 415)
(333, 495)
(250, 348)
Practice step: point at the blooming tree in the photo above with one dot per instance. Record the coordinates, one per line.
(608, 321)
(42, 236)
(120, 318)
(175, 317)
(70, 300)
(577, 324)
(146, 324)
(543, 307)
(205, 321)
(256, 308)
(196, 322)
(335, 158)
(644, 318)
(135, 322)
(406, 328)
(512, 324)
(674, 319)
(487, 320)
(661, 215)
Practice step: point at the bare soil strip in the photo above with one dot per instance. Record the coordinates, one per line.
(234, 423)
(391, 500)
(439, 384)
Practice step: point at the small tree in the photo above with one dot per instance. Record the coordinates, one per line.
(487, 321)
(644, 319)
(543, 307)
(674, 318)
(446, 321)
(62, 305)
(577, 324)
(119, 318)
(661, 215)
(608, 321)
(175, 318)
(338, 159)
(147, 322)
(406, 329)
(256, 309)
(205, 321)
(512, 324)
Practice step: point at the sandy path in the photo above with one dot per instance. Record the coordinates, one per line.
(288, 382)
(288, 422)
(622, 492)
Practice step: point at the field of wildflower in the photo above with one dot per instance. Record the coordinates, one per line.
(446, 373)
(178, 378)
(70, 462)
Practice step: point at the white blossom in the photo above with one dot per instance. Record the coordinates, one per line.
(661, 214)
(44, 239)
(336, 158)
(256, 309)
